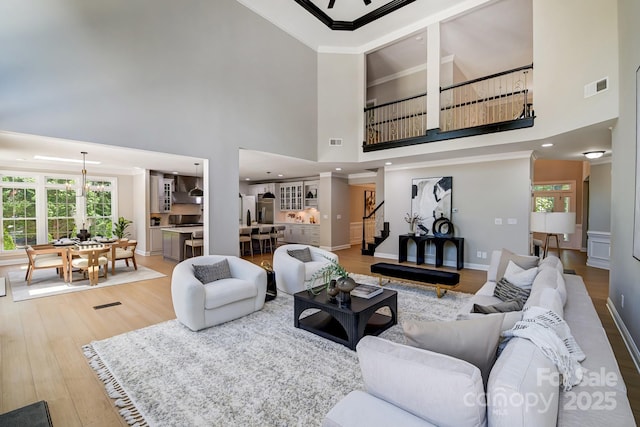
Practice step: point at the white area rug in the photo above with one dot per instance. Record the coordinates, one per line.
(46, 282)
(254, 371)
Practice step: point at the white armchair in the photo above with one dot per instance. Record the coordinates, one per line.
(291, 273)
(200, 306)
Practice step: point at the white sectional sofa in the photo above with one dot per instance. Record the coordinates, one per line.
(410, 386)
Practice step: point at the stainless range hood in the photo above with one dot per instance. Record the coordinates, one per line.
(184, 184)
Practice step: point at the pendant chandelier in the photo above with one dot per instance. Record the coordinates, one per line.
(196, 191)
(84, 189)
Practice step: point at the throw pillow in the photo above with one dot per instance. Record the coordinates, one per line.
(303, 255)
(501, 307)
(474, 340)
(212, 272)
(507, 291)
(523, 261)
(519, 276)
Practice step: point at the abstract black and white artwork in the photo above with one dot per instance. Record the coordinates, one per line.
(431, 198)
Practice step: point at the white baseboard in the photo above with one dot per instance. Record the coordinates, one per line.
(598, 263)
(335, 248)
(624, 332)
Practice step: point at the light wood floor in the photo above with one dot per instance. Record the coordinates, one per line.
(41, 339)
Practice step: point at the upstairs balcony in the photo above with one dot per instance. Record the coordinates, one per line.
(494, 103)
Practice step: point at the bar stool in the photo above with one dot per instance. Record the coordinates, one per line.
(263, 235)
(245, 237)
(196, 241)
(277, 233)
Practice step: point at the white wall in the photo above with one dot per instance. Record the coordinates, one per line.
(340, 106)
(482, 191)
(600, 197)
(574, 43)
(198, 78)
(402, 87)
(625, 270)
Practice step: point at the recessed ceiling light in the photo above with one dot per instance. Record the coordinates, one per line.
(338, 169)
(174, 172)
(419, 38)
(548, 144)
(280, 175)
(63, 159)
(388, 163)
(595, 154)
(247, 179)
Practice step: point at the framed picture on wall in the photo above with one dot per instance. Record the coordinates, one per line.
(369, 202)
(636, 212)
(431, 198)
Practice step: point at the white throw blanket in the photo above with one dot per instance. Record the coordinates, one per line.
(552, 336)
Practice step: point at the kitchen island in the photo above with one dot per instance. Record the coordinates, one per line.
(173, 242)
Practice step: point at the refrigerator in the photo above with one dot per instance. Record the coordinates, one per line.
(247, 208)
(265, 210)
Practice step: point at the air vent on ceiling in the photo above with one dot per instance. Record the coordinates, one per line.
(335, 142)
(598, 86)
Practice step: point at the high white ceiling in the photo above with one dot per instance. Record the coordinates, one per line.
(472, 31)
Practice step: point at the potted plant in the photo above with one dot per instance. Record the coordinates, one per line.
(335, 278)
(120, 228)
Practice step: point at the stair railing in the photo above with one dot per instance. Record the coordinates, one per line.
(369, 226)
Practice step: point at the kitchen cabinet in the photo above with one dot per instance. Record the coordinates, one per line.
(267, 187)
(303, 234)
(171, 246)
(311, 194)
(165, 199)
(160, 194)
(155, 240)
(173, 242)
(291, 197)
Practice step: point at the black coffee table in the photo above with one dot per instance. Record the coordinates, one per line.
(345, 325)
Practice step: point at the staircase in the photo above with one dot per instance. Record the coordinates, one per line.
(370, 240)
(369, 248)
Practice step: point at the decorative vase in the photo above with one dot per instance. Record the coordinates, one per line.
(345, 285)
(84, 235)
(248, 218)
(332, 290)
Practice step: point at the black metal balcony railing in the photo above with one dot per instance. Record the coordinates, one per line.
(406, 118)
(488, 104)
(492, 99)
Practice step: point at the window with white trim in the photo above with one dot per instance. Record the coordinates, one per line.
(38, 208)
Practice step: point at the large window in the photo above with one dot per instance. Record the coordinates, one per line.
(38, 208)
(19, 223)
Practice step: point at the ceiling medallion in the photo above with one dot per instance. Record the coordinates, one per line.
(358, 22)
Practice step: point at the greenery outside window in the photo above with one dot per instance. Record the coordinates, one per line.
(39, 209)
(99, 211)
(19, 222)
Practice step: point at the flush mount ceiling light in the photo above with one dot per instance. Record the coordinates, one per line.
(596, 154)
(548, 144)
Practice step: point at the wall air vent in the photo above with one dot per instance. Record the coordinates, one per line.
(335, 142)
(598, 86)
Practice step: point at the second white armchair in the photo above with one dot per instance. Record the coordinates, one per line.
(291, 272)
